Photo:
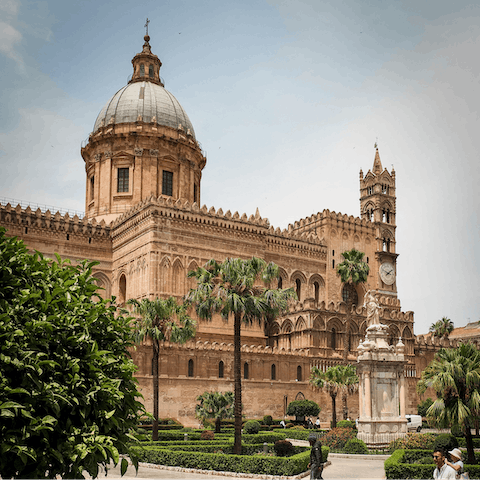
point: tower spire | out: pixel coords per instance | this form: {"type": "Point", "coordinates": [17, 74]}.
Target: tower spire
{"type": "Point", "coordinates": [377, 163]}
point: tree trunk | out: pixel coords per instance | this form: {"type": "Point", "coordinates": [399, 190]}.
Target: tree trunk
{"type": "Point", "coordinates": [344, 405]}
{"type": "Point", "coordinates": [469, 441]}
{"type": "Point", "coordinates": [155, 390]}
{"type": "Point", "coordinates": [334, 409]}
{"type": "Point", "coordinates": [218, 425]}
{"type": "Point", "coordinates": [237, 375]}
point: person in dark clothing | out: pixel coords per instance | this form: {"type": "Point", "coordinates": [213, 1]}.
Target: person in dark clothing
{"type": "Point", "coordinates": [316, 458]}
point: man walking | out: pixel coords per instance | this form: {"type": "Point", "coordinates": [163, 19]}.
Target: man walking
{"type": "Point", "coordinates": [316, 458]}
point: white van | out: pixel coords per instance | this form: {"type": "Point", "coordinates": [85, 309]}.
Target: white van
{"type": "Point", "coordinates": [414, 422]}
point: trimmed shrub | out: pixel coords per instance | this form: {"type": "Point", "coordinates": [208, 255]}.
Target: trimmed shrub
{"type": "Point", "coordinates": [413, 441]}
{"type": "Point", "coordinates": [283, 448]}
{"type": "Point", "coordinates": [251, 427]}
{"type": "Point", "coordinates": [337, 438]}
{"type": "Point", "coordinates": [303, 408]}
{"type": "Point", "coordinates": [355, 445]}
{"type": "Point", "coordinates": [298, 427]}
{"type": "Point", "coordinates": [268, 420]}
{"type": "Point", "coordinates": [445, 442]}
{"type": "Point", "coordinates": [207, 435]}
{"type": "Point", "coordinates": [346, 424]}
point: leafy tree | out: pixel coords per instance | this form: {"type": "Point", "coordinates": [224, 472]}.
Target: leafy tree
{"type": "Point", "coordinates": [215, 405]}
{"type": "Point", "coordinates": [303, 408]}
{"type": "Point", "coordinates": [454, 375]}
{"type": "Point", "coordinates": [352, 271]}
{"type": "Point", "coordinates": [68, 398]}
{"type": "Point", "coordinates": [338, 379]}
{"type": "Point", "coordinates": [232, 288]}
{"type": "Point", "coordinates": [422, 407]}
{"type": "Point", "coordinates": [160, 320]}
{"type": "Point", "coordinates": [442, 328]}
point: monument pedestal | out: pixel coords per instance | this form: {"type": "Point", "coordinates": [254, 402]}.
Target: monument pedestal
{"type": "Point", "coordinates": [382, 388]}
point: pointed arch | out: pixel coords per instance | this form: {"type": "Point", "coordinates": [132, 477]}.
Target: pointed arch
{"type": "Point", "coordinates": [300, 325]}
{"type": "Point", "coordinates": [282, 278]}
{"type": "Point", "coordinates": [317, 288]}
{"type": "Point", "coordinates": [191, 282]}
{"type": "Point", "coordinates": [298, 280]}
{"type": "Point", "coordinates": [178, 277]}
{"type": "Point", "coordinates": [393, 334]}
{"type": "Point", "coordinates": [122, 289]}
{"type": "Point", "coordinates": [165, 275]}
{"type": "Point", "coordinates": [407, 333]}
{"type": "Point", "coordinates": [287, 326]}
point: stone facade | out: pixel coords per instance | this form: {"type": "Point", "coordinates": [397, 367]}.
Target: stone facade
{"type": "Point", "coordinates": [144, 224]}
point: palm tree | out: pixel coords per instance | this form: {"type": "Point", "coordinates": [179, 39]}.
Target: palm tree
{"type": "Point", "coordinates": [160, 320]}
{"type": "Point", "coordinates": [338, 379]}
{"type": "Point", "coordinates": [454, 374]}
{"type": "Point", "coordinates": [232, 288]}
{"type": "Point", "coordinates": [352, 271]}
{"type": "Point", "coordinates": [442, 328]}
{"type": "Point", "coordinates": [215, 405]}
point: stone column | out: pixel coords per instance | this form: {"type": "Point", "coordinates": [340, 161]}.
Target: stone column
{"type": "Point", "coordinates": [368, 396]}
{"type": "Point", "coordinates": [402, 395]}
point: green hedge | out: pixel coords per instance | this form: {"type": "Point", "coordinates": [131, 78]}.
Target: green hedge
{"type": "Point", "coordinates": [396, 466]}
{"type": "Point", "coordinates": [298, 434]}
{"type": "Point", "coordinates": [256, 464]}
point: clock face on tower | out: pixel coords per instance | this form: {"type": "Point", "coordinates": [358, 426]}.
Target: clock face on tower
{"type": "Point", "coordinates": [387, 273]}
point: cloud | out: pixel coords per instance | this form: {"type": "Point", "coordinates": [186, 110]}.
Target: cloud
{"type": "Point", "coordinates": [10, 7]}
{"type": "Point", "coordinates": [10, 37]}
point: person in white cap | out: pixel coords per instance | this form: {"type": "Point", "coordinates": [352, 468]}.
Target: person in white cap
{"type": "Point", "coordinates": [455, 460]}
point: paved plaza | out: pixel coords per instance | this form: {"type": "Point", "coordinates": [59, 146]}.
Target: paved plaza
{"type": "Point", "coordinates": [342, 466]}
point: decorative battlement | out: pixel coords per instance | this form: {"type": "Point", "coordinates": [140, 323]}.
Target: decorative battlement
{"type": "Point", "coordinates": [183, 210]}
{"type": "Point", "coordinates": [228, 347]}
{"type": "Point", "coordinates": [326, 216]}
{"type": "Point", "coordinates": [38, 220]}
{"type": "Point", "coordinates": [426, 341]}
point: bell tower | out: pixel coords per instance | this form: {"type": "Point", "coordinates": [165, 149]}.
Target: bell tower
{"type": "Point", "coordinates": [378, 204]}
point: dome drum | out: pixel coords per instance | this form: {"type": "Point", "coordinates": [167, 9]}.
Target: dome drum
{"type": "Point", "coordinates": [142, 144]}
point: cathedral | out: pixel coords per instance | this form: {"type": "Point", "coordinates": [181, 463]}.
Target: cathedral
{"type": "Point", "coordinates": [145, 225]}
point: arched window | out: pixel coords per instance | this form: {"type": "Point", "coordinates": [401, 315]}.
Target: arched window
{"type": "Point", "coordinates": [273, 372]}
{"type": "Point", "coordinates": [298, 289]}
{"type": "Point", "coordinates": [333, 339]}
{"type": "Point", "coordinates": [299, 373]}
{"type": "Point", "coordinates": [245, 371]}
{"type": "Point", "coordinates": [220, 369]}
{"type": "Point", "coordinates": [349, 294]}
{"type": "Point", "coordinates": [122, 289]}
{"type": "Point", "coordinates": [142, 70]}
{"type": "Point", "coordinates": [190, 368]}
{"type": "Point", "coordinates": [150, 71]}
{"type": "Point", "coordinates": [316, 287]}
{"type": "Point", "coordinates": [280, 282]}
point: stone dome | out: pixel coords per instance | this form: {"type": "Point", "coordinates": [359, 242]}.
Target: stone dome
{"type": "Point", "coordinates": [144, 101]}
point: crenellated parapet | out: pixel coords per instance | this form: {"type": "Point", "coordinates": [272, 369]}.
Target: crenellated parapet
{"type": "Point", "coordinates": [184, 211]}
{"type": "Point", "coordinates": [20, 220]}
{"type": "Point", "coordinates": [432, 342]}
{"type": "Point", "coordinates": [228, 347]}
{"type": "Point", "coordinates": [334, 220]}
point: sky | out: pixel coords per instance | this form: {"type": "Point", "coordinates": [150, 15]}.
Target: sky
{"type": "Point", "coordinates": [287, 99]}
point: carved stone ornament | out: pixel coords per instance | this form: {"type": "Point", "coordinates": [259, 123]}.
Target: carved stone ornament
{"type": "Point", "coordinates": [138, 152]}
{"type": "Point", "coordinates": [97, 157]}
{"type": "Point", "coordinates": [153, 152]}
{"type": "Point", "coordinates": [108, 154]}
